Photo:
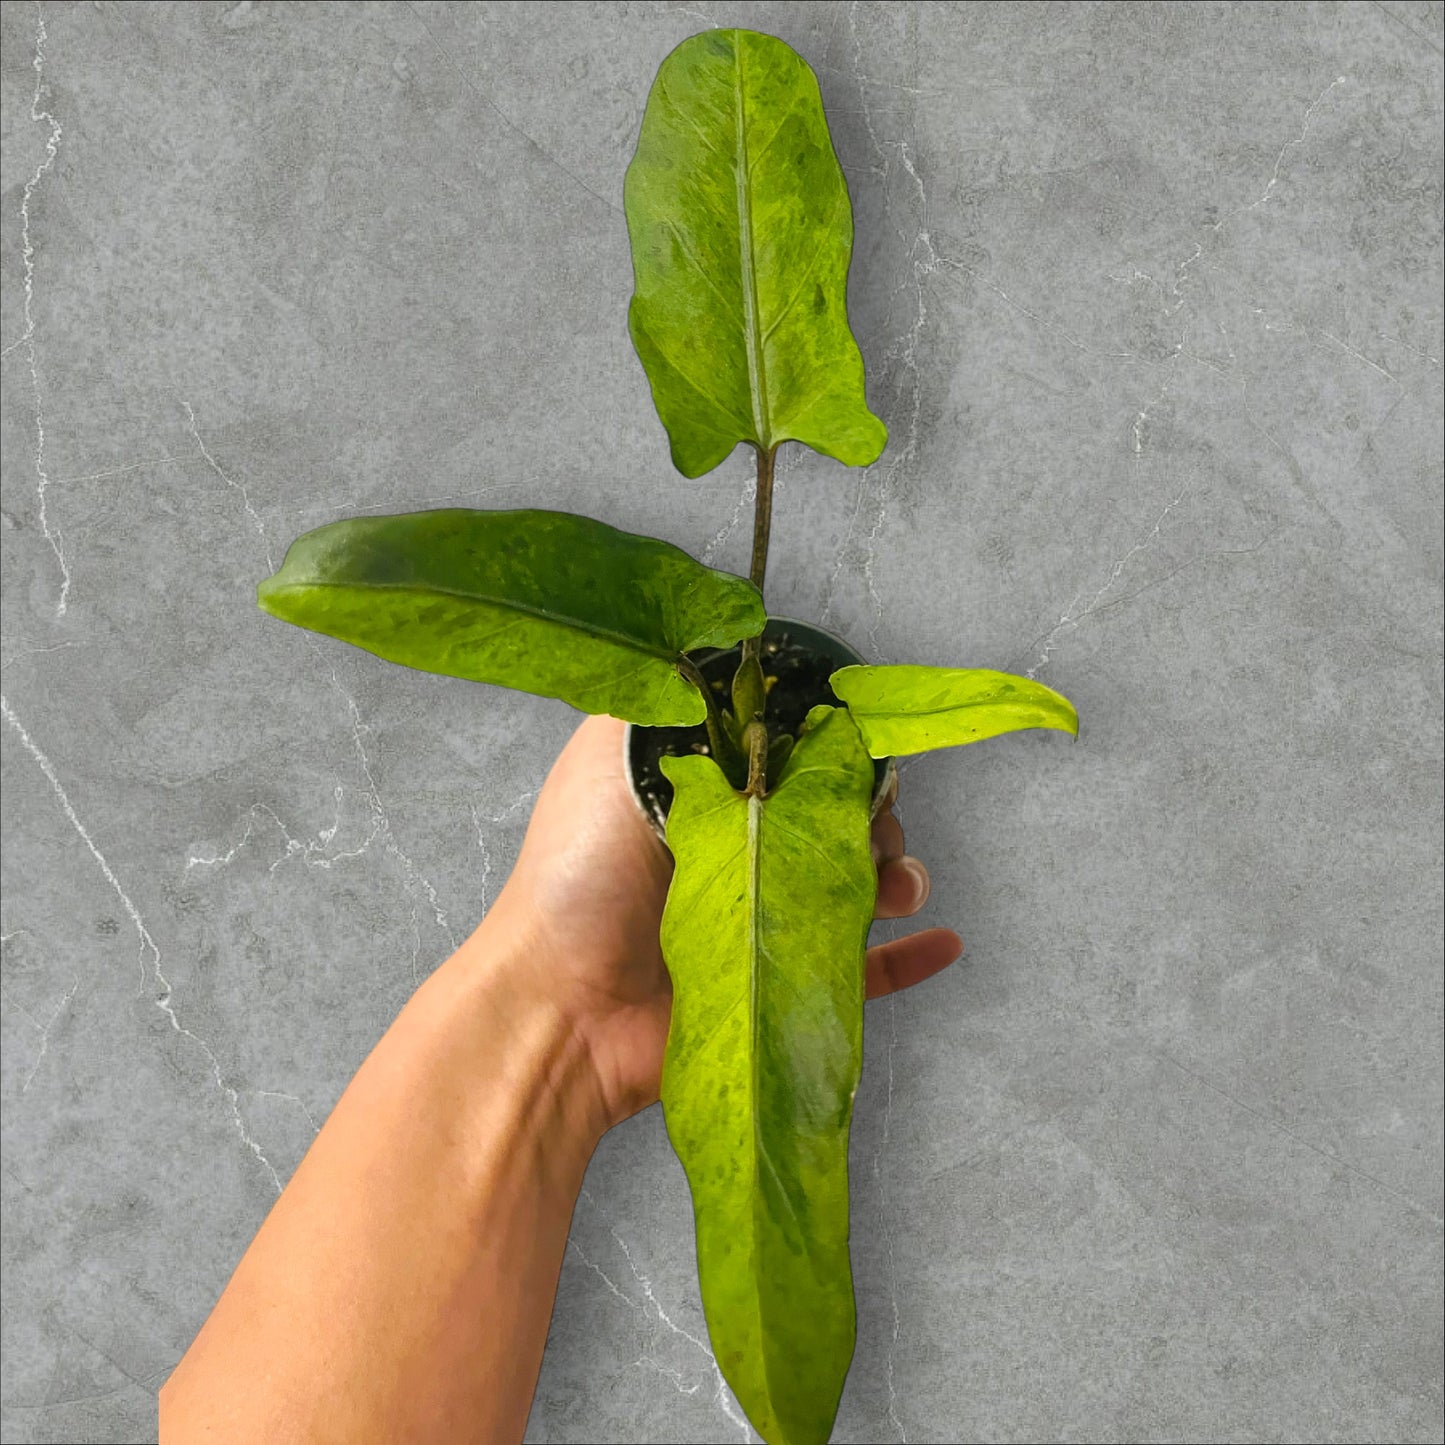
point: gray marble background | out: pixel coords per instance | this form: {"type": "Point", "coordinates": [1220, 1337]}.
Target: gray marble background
{"type": "Point", "coordinates": [1150, 297]}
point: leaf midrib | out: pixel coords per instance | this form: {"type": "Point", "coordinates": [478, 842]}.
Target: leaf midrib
{"type": "Point", "coordinates": [668, 655]}
{"type": "Point", "coordinates": [742, 175]}
{"type": "Point", "coordinates": [755, 952]}
{"type": "Point", "coordinates": [761, 1153]}
{"type": "Point", "coordinates": [886, 714]}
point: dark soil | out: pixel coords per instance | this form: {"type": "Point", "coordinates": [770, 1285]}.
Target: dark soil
{"type": "Point", "coordinates": [801, 683]}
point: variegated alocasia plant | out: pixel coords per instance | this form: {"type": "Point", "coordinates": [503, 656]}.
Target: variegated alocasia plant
{"type": "Point", "coordinates": [741, 236]}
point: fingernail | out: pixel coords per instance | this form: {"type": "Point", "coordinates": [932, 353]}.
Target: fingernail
{"type": "Point", "coordinates": [919, 874]}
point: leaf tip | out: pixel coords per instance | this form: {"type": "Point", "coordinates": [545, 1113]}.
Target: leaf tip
{"type": "Point", "coordinates": [266, 598]}
{"type": "Point", "coordinates": [816, 716]}
{"type": "Point", "coordinates": [1068, 722]}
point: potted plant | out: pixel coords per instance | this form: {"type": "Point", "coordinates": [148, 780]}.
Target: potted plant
{"type": "Point", "coordinates": [760, 755]}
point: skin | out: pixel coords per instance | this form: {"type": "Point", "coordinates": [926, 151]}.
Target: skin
{"type": "Point", "coordinates": [402, 1286]}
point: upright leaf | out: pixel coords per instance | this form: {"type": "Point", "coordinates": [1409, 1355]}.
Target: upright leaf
{"type": "Point", "coordinates": [741, 236]}
{"type": "Point", "coordinates": [542, 601]}
{"type": "Point", "coordinates": [901, 710]}
{"type": "Point", "coordinates": [764, 935]}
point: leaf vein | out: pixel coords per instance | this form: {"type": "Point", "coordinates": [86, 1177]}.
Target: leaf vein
{"type": "Point", "coordinates": [807, 274]}
{"type": "Point", "coordinates": [698, 890]}
{"type": "Point", "coordinates": [742, 425]}
{"type": "Point", "coordinates": [813, 847]}
{"type": "Point", "coordinates": [697, 265]}
{"type": "Point", "coordinates": [560, 619]}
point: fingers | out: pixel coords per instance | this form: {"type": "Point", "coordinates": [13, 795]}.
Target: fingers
{"type": "Point", "coordinates": [905, 961]}
{"type": "Point", "coordinates": [902, 888]}
{"type": "Point", "coordinates": [887, 838]}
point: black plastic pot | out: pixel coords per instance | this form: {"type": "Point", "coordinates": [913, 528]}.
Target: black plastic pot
{"type": "Point", "coordinates": [801, 657]}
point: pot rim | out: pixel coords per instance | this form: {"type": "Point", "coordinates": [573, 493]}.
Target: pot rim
{"type": "Point", "coordinates": [884, 792]}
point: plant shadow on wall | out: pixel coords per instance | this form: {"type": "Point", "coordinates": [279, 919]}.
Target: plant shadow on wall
{"type": "Point", "coordinates": [761, 747]}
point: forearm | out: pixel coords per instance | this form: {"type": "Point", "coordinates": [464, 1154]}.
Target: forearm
{"type": "Point", "coordinates": [402, 1286]}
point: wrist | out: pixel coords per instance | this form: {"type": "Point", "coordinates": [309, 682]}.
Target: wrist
{"type": "Point", "coordinates": [538, 1064]}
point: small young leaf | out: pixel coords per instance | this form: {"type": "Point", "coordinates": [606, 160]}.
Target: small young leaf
{"type": "Point", "coordinates": [764, 935]}
{"type": "Point", "coordinates": [542, 601]}
{"type": "Point", "coordinates": [901, 710]}
{"type": "Point", "coordinates": [741, 236]}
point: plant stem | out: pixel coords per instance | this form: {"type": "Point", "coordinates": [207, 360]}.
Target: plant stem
{"type": "Point", "coordinates": [762, 526]}
{"type": "Point", "coordinates": [757, 740]}
{"type": "Point", "coordinates": [762, 516]}
{"type": "Point", "coordinates": [716, 732]}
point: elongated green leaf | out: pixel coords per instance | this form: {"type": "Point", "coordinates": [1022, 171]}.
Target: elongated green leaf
{"type": "Point", "coordinates": [901, 710]}
{"type": "Point", "coordinates": [764, 935]}
{"type": "Point", "coordinates": [542, 601]}
{"type": "Point", "coordinates": [741, 236]}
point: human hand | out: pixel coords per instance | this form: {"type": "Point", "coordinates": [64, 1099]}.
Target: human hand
{"type": "Point", "coordinates": [588, 892]}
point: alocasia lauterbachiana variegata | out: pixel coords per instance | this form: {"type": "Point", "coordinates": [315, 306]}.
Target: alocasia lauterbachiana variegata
{"type": "Point", "coordinates": [741, 238]}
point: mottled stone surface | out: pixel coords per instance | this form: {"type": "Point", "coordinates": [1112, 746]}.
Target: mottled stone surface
{"type": "Point", "coordinates": [1150, 299]}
